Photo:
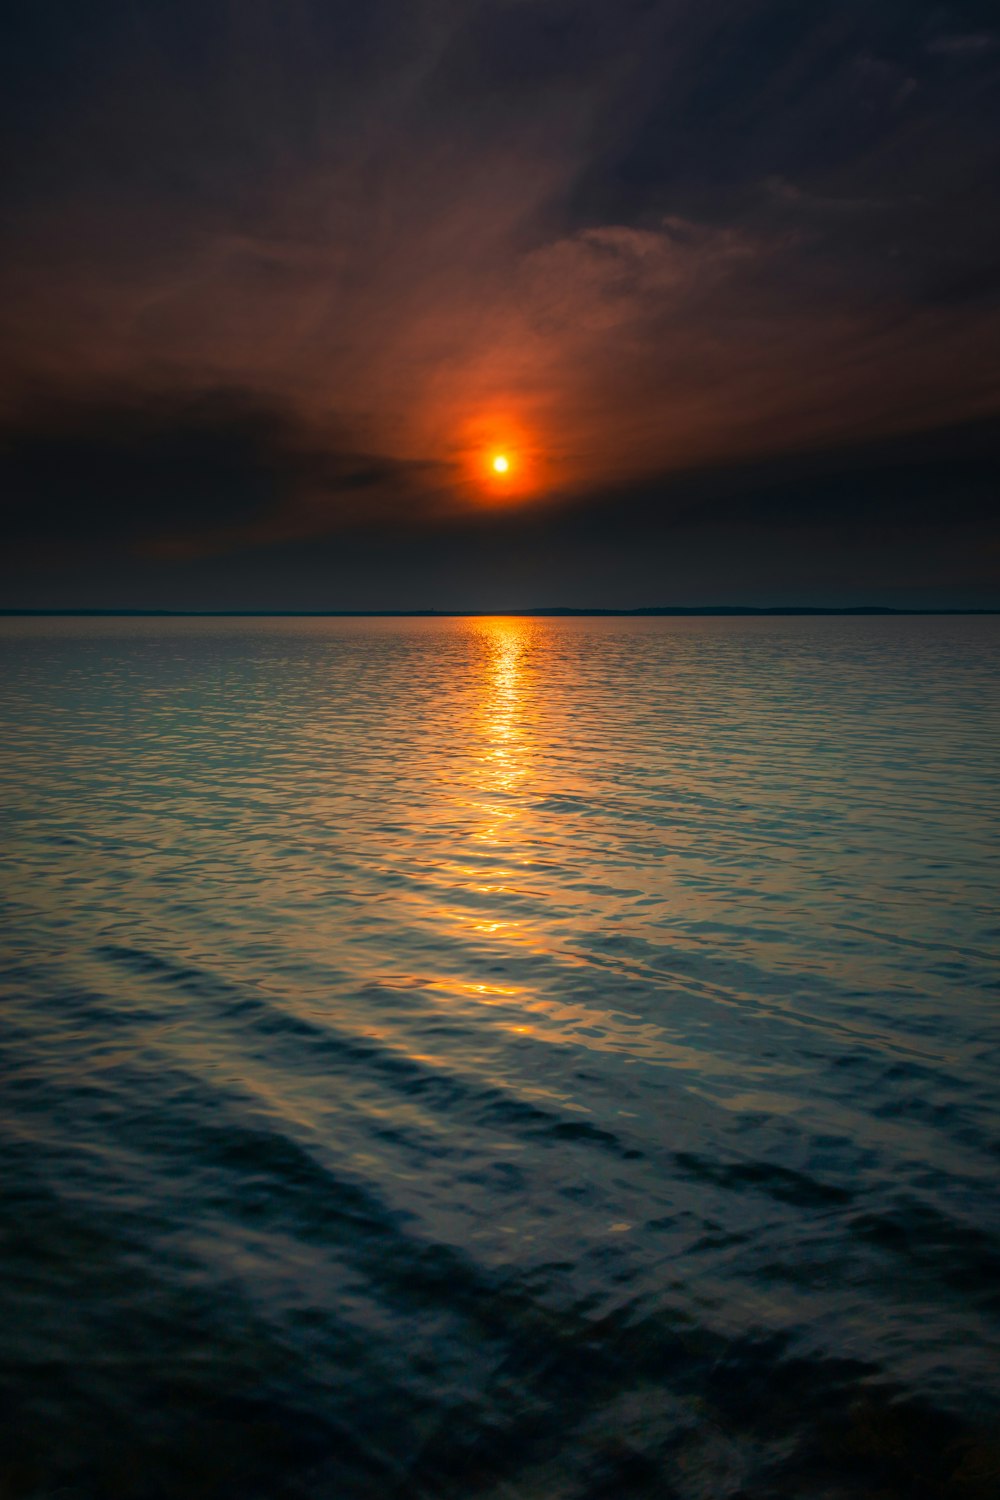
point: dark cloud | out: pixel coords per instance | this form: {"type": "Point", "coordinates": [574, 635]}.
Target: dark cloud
{"type": "Point", "coordinates": [124, 469]}
{"type": "Point", "coordinates": [906, 520]}
{"type": "Point", "coordinates": [945, 479]}
{"type": "Point", "coordinates": [186, 474]}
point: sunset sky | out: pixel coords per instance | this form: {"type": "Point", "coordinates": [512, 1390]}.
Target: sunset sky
{"type": "Point", "coordinates": [720, 279]}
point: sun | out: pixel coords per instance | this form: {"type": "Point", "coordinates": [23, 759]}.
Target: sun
{"type": "Point", "coordinates": [499, 459]}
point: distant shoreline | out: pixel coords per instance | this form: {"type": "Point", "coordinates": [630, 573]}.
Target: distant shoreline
{"type": "Point", "coordinates": [480, 614]}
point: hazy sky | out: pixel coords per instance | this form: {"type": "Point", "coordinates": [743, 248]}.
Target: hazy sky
{"type": "Point", "coordinates": [720, 277]}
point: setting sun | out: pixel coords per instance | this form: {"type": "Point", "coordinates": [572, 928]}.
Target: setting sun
{"type": "Point", "coordinates": [500, 457]}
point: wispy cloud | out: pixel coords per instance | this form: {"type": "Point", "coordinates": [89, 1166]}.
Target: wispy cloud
{"type": "Point", "coordinates": [962, 44]}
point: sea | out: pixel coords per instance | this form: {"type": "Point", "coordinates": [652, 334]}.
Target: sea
{"type": "Point", "coordinates": [500, 1058]}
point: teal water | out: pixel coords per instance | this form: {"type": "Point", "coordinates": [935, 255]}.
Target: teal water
{"type": "Point", "coordinates": [500, 1058]}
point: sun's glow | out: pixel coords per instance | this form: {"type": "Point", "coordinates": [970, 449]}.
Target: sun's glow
{"type": "Point", "coordinates": [499, 458]}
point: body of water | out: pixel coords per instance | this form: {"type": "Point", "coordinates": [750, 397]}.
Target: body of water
{"type": "Point", "coordinates": [500, 1059]}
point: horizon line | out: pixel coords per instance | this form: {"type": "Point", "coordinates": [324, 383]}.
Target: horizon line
{"type": "Point", "coordinates": [537, 611]}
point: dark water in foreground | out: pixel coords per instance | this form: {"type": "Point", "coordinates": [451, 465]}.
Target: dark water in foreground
{"type": "Point", "coordinates": [534, 1060]}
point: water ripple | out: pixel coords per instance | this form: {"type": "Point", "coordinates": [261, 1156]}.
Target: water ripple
{"type": "Point", "coordinates": [500, 1058]}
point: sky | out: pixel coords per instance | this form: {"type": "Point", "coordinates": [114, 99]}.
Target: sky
{"type": "Point", "coordinates": [720, 279]}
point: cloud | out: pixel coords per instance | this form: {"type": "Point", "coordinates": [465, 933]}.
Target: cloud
{"type": "Point", "coordinates": [279, 273]}
{"type": "Point", "coordinates": [187, 473]}
{"type": "Point", "coordinates": [963, 45]}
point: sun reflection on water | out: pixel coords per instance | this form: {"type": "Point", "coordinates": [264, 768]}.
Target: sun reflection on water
{"type": "Point", "coordinates": [511, 921]}
{"type": "Point", "coordinates": [502, 764]}
{"type": "Point", "coordinates": [503, 720]}
{"type": "Point", "coordinates": [496, 793]}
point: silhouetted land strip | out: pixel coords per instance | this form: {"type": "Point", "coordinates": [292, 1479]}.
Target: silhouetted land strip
{"type": "Point", "coordinates": [540, 611]}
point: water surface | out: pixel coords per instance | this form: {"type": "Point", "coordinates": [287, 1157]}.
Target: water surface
{"type": "Point", "coordinates": [509, 1058]}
